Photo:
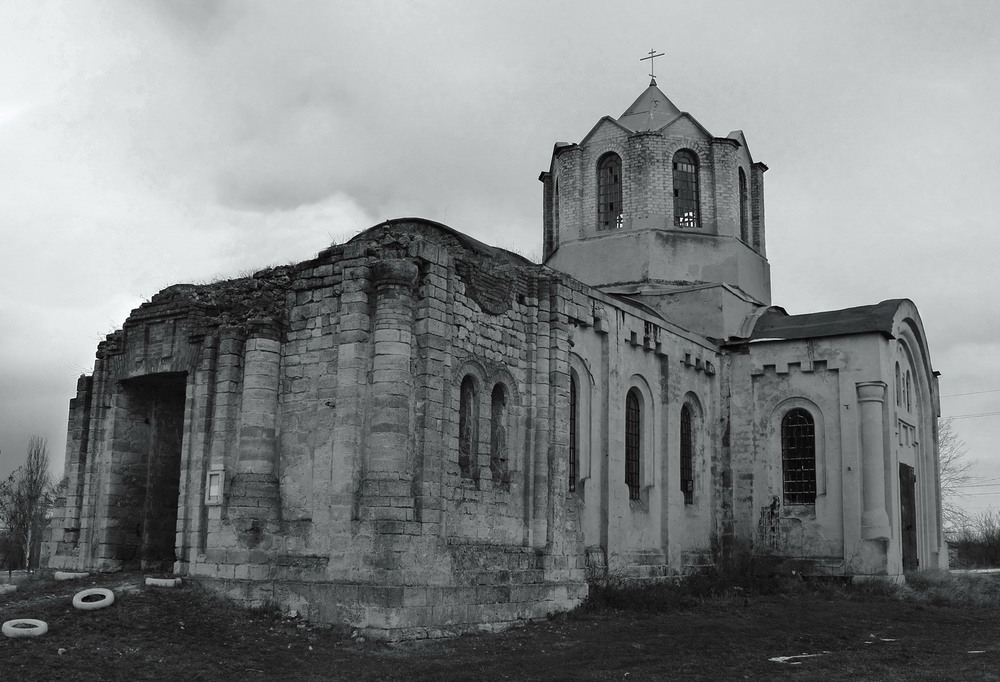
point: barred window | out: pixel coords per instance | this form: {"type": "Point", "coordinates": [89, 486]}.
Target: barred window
{"type": "Point", "coordinates": [573, 443]}
{"type": "Point", "coordinates": [899, 387]}
{"type": "Point", "coordinates": [468, 426]}
{"type": "Point", "coordinates": [744, 209]}
{"type": "Point", "coordinates": [609, 192]}
{"type": "Point", "coordinates": [798, 457]}
{"type": "Point", "coordinates": [633, 443]}
{"type": "Point", "coordinates": [687, 475]}
{"type": "Point", "coordinates": [686, 189]}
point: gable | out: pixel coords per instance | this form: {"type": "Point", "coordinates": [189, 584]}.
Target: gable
{"type": "Point", "coordinates": [685, 125]}
{"type": "Point", "coordinates": [741, 138]}
{"type": "Point", "coordinates": [606, 128]}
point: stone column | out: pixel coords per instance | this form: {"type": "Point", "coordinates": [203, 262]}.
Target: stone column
{"type": "Point", "coordinates": [259, 414]}
{"type": "Point", "coordinates": [543, 439]}
{"type": "Point", "coordinates": [254, 497]}
{"type": "Point", "coordinates": [77, 448]}
{"type": "Point", "coordinates": [874, 519]}
{"type": "Point", "coordinates": [389, 460]}
{"type": "Point", "coordinates": [196, 451]}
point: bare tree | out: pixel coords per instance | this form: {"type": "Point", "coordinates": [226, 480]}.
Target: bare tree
{"type": "Point", "coordinates": [25, 498]}
{"type": "Point", "coordinates": [955, 465]}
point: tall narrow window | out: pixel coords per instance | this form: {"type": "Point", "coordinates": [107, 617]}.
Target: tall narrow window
{"type": "Point", "coordinates": [744, 209]}
{"type": "Point", "coordinates": [555, 207]}
{"type": "Point", "coordinates": [574, 453]}
{"type": "Point", "coordinates": [609, 192]}
{"type": "Point", "coordinates": [909, 404]}
{"type": "Point", "coordinates": [468, 427]}
{"type": "Point", "coordinates": [687, 472]}
{"type": "Point", "coordinates": [686, 189]}
{"type": "Point", "coordinates": [899, 388]}
{"type": "Point", "coordinates": [633, 443]}
{"type": "Point", "coordinates": [498, 436]}
{"type": "Point", "coordinates": [798, 457]}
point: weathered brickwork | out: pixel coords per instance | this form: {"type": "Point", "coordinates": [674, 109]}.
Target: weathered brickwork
{"type": "Point", "coordinates": [651, 248]}
{"type": "Point", "coordinates": [420, 435]}
{"type": "Point", "coordinates": [325, 396]}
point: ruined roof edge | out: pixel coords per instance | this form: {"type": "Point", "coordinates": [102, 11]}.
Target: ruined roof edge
{"type": "Point", "coordinates": [465, 240]}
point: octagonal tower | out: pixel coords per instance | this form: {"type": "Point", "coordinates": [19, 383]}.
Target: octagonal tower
{"type": "Point", "coordinates": [652, 205]}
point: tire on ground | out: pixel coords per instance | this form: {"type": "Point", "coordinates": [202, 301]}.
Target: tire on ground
{"type": "Point", "coordinates": [67, 575]}
{"type": "Point", "coordinates": [80, 600]}
{"type": "Point", "coordinates": [163, 582]}
{"type": "Point", "coordinates": [25, 627]}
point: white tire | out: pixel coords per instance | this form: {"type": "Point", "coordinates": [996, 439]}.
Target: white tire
{"type": "Point", "coordinates": [80, 600]}
{"type": "Point", "coordinates": [7, 589]}
{"type": "Point", "coordinates": [163, 582]}
{"type": "Point", "coordinates": [66, 575]}
{"type": "Point", "coordinates": [25, 627]}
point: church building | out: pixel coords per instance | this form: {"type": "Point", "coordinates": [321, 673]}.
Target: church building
{"type": "Point", "coordinates": [418, 434]}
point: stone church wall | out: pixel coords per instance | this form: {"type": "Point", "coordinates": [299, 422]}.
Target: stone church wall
{"type": "Point", "coordinates": [316, 462]}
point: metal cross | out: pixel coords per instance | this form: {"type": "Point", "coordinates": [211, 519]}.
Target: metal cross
{"type": "Point", "coordinates": [652, 55]}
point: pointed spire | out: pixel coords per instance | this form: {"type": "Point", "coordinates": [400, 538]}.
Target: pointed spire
{"type": "Point", "coordinates": [651, 111]}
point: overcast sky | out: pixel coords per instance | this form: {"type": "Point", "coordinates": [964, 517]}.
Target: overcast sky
{"type": "Point", "coordinates": [147, 143]}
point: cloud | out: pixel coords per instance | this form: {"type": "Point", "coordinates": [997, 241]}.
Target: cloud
{"type": "Point", "coordinates": [146, 143]}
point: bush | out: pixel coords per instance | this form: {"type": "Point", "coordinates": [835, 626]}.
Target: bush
{"type": "Point", "coordinates": [978, 543]}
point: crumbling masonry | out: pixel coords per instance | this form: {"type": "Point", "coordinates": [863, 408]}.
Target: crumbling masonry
{"type": "Point", "coordinates": [418, 434]}
{"type": "Point", "coordinates": [324, 395]}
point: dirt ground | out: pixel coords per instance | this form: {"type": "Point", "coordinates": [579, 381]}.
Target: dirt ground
{"type": "Point", "coordinates": [183, 634]}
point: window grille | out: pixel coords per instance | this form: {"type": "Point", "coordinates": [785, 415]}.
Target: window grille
{"type": "Point", "coordinates": [687, 475]}
{"type": "Point", "coordinates": [573, 445]}
{"type": "Point", "coordinates": [609, 192]}
{"type": "Point", "coordinates": [798, 457]}
{"type": "Point", "coordinates": [686, 189]}
{"type": "Point", "coordinates": [633, 436]}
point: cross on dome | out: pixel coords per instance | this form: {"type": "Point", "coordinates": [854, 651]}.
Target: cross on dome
{"type": "Point", "coordinates": [653, 54]}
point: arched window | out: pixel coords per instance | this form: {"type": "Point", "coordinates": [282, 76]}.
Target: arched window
{"type": "Point", "coordinates": [574, 453]}
{"type": "Point", "coordinates": [633, 442]}
{"type": "Point", "coordinates": [909, 405]}
{"type": "Point", "coordinates": [498, 436]}
{"type": "Point", "coordinates": [686, 189]}
{"type": "Point", "coordinates": [899, 387]}
{"type": "Point", "coordinates": [609, 192]}
{"type": "Point", "coordinates": [687, 449]}
{"type": "Point", "coordinates": [798, 457]}
{"type": "Point", "coordinates": [744, 209]}
{"type": "Point", "coordinates": [468, 427]}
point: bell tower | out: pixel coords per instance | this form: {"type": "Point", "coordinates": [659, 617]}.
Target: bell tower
{"type": "Point", "coordinates": [652, 206]}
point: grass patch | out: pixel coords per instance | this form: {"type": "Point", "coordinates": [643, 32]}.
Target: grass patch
{"type": "Point", "coordinates": [707, 627]}
{"type": "Point", "coordinates": [954, 589]}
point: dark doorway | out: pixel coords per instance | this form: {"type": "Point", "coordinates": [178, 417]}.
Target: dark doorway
{"type": "Point", "coordinates": [908, 516]}
{"type": "Point", "coordinates": [149, 436]}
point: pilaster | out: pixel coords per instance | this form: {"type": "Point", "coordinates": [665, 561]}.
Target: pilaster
{"type": "Point", "coordinates": [874, 519]}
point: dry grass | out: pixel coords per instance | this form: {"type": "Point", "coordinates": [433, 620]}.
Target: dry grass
{"type": "Point", "coordinates": [708, 627]}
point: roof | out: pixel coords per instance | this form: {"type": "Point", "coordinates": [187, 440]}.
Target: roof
{"type": "Point", "coordinates": [651, 111]}
{"type": "Point", "coordinates": [775, 323]}
{"type": "Point", "coordinates": [442, 234]}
